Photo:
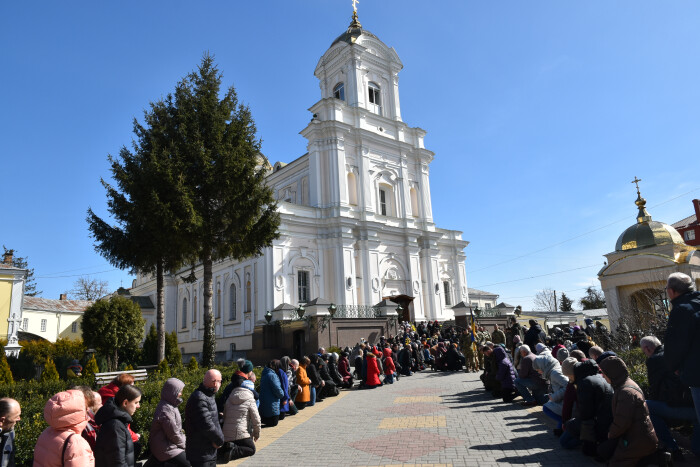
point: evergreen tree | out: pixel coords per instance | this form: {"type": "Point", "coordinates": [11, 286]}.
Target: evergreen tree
{"type": "Point", "coordinates": [164, 368]}
{"type": "Point", "coordinates": [20, 262]}
{"type": "Point", "coordinates": [172, 352]}
{"type": "Point", "coordinates": [149, 352]}
{"type": "Point", "coordinates": [5, 372]}
{"type": "Point", "coordinates": [593, 300]}
{"type": "Point", "coordinates": [91, 368]}
{"type": "Point", "coordinates": [50, 373]}
{"type": "Point", "coordinates": [193, 365]}
{"type": "Point", "coordinates": [150, 204]}
{"type": "Point", "coordinates": [235, 210]}
{"type": "Point", "coordinates": [565, 304]}
{"type": "Point", "coordinates": [113, 327]}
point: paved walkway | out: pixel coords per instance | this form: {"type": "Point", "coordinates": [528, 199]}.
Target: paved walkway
{"type": "Point", "coordinates": [425, 419]}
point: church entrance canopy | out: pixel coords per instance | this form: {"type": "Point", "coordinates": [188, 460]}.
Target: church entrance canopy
{"type": "Point", "coordinates": [403, 300]}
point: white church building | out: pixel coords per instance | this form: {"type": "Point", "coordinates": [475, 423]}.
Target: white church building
{"type": "Point", "coordinates": [356, 217]}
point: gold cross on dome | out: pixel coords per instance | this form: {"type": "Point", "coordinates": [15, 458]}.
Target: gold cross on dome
{"type": "Point", "coordinates": [354, 4]}
{"type": "Point", "coordinates": [636, 182]}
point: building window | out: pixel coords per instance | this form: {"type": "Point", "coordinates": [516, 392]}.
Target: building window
{"type": "Point", "coordinates": [487, 306]}
{"type": "Point", "coordinates": [339, 91]}
{"type": "Point", "coordinates": [74, 327]}
{"type": "Point", "coordinates": [448, 295]}
{"type": "Point", "coordinates": [375, 98]}
{"type": "Point", "coordinates": [248, 297]}
{"type": "Point", "coordinates": [232, 302]}
{"type": "Point", "coordinates": [194, 308]}
{"type": "Point", "coordinates": [689, 235]}
{"type": "Point", "coordinates": [25, 324]}
{"type": "Point", "coordinates": [217, 303]}
{"type": "Point", "coordinates": [414, 202]}
{"type": "Point", "coordinates": [184, 313]}
{"type": "Point", "coordinates": [382, 202]}
{"type": "Point", "coordinates": [303, 286]}
{"type": "Point", "coordinates": [43, 325]}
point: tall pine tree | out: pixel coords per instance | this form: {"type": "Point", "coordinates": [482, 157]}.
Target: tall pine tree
{"type": "Point", "coordinates": [236, 212]}
{"type": "Point", "coordinates": [151, 205]}
{"type": "Point", "coordinates": [565, 304]}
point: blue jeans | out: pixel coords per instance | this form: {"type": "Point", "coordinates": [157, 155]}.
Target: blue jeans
{"type": "Point", "coordinates": [659, 411]}
{"type": "Point", "coordinates": [529, 390]}
{"type": "Point", "coordinates": [312, 399]}
{"type": "Point", "coordinates": [553, 416]}
{"type": "Point", "coordinates": [389, 379]}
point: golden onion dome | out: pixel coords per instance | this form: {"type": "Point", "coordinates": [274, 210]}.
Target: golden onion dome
{"type": "Point", "coordinates": [646, 232]}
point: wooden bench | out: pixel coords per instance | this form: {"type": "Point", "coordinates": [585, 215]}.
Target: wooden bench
{"type": "Point", "coordinates": [105, 378]}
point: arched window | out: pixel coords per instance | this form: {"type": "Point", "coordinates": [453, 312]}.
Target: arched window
{"type": "Point", "coordinates": [195, 308]}
{"type": "Point", "coordinates": [448, 293]}
{"type": "Point", "coordinates": [248, 297]}
{"type": "Point", "coordinates": [217, 303]}
{"type": "Point", "coordinates": [414, 202]}
{"type": "Point", "coordinates": [339, 91]}
{"type": "Point", "coordinates": [352, 189]}
{"type": "Point", "coordinates": [184, 312]}
{"type": "Point", "coordinates": [375, 99]}
{"type": "Point", "coordinates": [232, 302]}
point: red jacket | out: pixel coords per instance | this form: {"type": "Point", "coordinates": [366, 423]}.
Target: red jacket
{"type": "Point", "coordinates": [372, 371]}
{"type": "Point", "coordinates": [389, 367]}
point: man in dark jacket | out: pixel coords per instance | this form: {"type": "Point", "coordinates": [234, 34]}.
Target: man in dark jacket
{"type": "Point", "coordinates": [530, 383]}
{"type": "Point", "coordinates": [683, 333]}
{"type": "Point", "coordinates": [669, 398]}
{"type": "Point", "coordinates": [204, 435]}
{"type": "Point", "coordinates": [10, 412]}
{"type": "Point", "coordinates": [534, 335]}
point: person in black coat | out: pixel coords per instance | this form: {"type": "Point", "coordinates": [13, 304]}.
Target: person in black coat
{"type": "Point", "coordinates": [333, 371]}
{"type": "Point", "coordinates": [316, 381]}
{"type": "Point", "coordinates": [329, 388]}
{"type": "Point", "coordinates": [593, 409]}
{"type": "Point", "coordinates": [534, 335]}
{"type": "Point", "coordinates": [204, 435]}
{"type": "Point", "coordinates": [114, 446]}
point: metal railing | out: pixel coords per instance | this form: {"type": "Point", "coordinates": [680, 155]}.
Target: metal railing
{"type": "Point", "coordinates": [357, 311]}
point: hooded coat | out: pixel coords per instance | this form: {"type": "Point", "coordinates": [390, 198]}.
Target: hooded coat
{"type": "Point", "coordinates": [683, 338]}
{"type": "Point", "coordinates": [631, 423]}
{"type": "Point", "coordinates": [534, 335]}
{"type": "Point", "coordinates": [372, 371]}
{"type": "Point", "coordinates": [551, 371]}
{"type": "Point", "coordinates": [270, 393]}
{"type": "Point", "coordinates": [333, 370]}
{"type": "Point", "coordinates": [66, 415]}
{"type": "Point", "coordinates": [593, 397]}
{"type": "Point", "coordinates": [114, 446]}
{"type": "Point", "coordinates": [344, 368]}
{"type": "Point", "coordinates": [167, 439]}
{"type": "Point", "coordinates": [389, 367]}
{"type": "Point", "coordinates": [505, 373]}
{"type": "Point", "coordinates": [241, 418]}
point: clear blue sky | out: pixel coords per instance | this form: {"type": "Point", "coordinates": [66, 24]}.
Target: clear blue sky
{"type": "Point", "coordinates": [540, 115]}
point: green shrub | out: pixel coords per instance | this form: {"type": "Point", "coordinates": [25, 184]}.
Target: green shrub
{"type": "Point", "coordinates": [5, 372]}
{"type": "Point", "coordinates": [164, 368]}
{"type": "Point", "coordinates": [91, 368]}
{"type": "Point", "coordinates": [335, 349]}
{"type": "Point", "coordinates": [193, 365]}
{"type": "Point", "coordinates": [635, 360]}
{"type": "Point", "coordinates": [50, 373]}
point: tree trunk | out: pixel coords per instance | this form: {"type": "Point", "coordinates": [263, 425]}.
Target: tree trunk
{"type": "Point", "coordinates": [209, 336]}
{"type": "Point", "coordinates": [115, 360]}
{"type": "Point", "coordinates": [160, 312]}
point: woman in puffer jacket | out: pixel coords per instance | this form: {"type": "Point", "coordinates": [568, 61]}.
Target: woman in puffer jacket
{"type": "Point", "coordinates": [270, 394]}
{"type": "Point", "coordinates": [389, 367]}
{"type": "Point", "coordinates": [304, 395]}
{"type": "Point", "coordinates": [167, 440]}
{"type": "Point", "coordinates": [550, 369]}
{"type": "Point", "coordinates": [114, 446]}
{"type": "Point", "coordinates": [372, 380]}
{"type": "Point", "coordinates": [241, 423]}
{"type": "Point", "coordinates": [66, 415]}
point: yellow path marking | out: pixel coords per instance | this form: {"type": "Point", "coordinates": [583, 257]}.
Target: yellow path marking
{"type": "Point", "coordinates": [413, 422]}
{"type": "Point", "coordinates": [412, 399]}
{"type": "Point", "coordinates": [270, 435]}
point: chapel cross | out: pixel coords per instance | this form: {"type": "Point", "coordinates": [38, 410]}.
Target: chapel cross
{"type": "Point", "coordinates": [636, 182]}
{"type": "Point", "coordinates": [354, 5]}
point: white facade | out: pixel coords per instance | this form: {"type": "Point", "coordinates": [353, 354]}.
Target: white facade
{"type": "Point", "coordinates": [356, 214]}
{"type": "Point", "coordinates": [53, 319]}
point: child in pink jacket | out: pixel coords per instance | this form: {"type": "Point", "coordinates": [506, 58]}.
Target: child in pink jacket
{"type": "Point", "coordinates": [66, 415]}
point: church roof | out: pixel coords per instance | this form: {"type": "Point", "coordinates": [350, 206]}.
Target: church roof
{"type": "Point", "coordinates": [646, 232]}
{"type": "Point", "coordinates": [353, 32]}
{"type": "Point", "coordinates": [685, 222]}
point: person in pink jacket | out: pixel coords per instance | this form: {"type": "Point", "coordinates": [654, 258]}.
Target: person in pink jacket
{"type": "Point", "coordinates": [61, 443]}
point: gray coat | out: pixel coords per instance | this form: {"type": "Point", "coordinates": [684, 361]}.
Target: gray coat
{"type": "Point", "coordinates": [241, 418]}
{"type": "Point", "coordinates": [167, 439]}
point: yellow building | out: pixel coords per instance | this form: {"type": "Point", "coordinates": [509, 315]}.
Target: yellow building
{"type": "Point", "coordinates": [53, 319]}
{"type": "Point", "coordinates": [11, 295]}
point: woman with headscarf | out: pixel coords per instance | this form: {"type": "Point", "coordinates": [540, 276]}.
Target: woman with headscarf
{"type": "Point", "coordinates": [316, 382]}
{"type": "Point", "coordinates": [631, 425]}
{"type": "Point", "coordinates": [550, 369]}
{"type": "Point", "coordinates": [292, 387]}
{"type": "Point", "coordinates": [344, 370]}
{"type": "Point", "coordinates": [505, 374]}
{"type": "Point", "coordinates": [304, 395]}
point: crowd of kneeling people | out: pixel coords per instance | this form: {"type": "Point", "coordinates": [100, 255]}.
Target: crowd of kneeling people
{"type": "Point", "coordinates": [589, 393]}
{"type": "Point", "coordinates": [88, 428]}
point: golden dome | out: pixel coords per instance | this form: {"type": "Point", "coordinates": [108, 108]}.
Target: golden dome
{"type": "Point", "coordinates": [646, 232]}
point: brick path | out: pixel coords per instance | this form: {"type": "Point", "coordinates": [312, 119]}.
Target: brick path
{"type": "Point", "coordinates": [426, 419]}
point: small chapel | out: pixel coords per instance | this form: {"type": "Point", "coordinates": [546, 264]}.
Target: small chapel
{"type": "Point", "coordinates": [358, 249]}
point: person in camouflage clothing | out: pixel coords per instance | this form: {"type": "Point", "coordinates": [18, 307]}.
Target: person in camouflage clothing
{"type": "Point", "coordinates": [498, 336]}
{"type": "Point", "coordinates": [482, 336]}
{"type": "Point", "coordinates": [472, 362]}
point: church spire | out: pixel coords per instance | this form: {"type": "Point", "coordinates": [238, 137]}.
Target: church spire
{"type": "Point", "coordinates": [642, 215]}
{"type": "Point", "coordinates": [355, 22]}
